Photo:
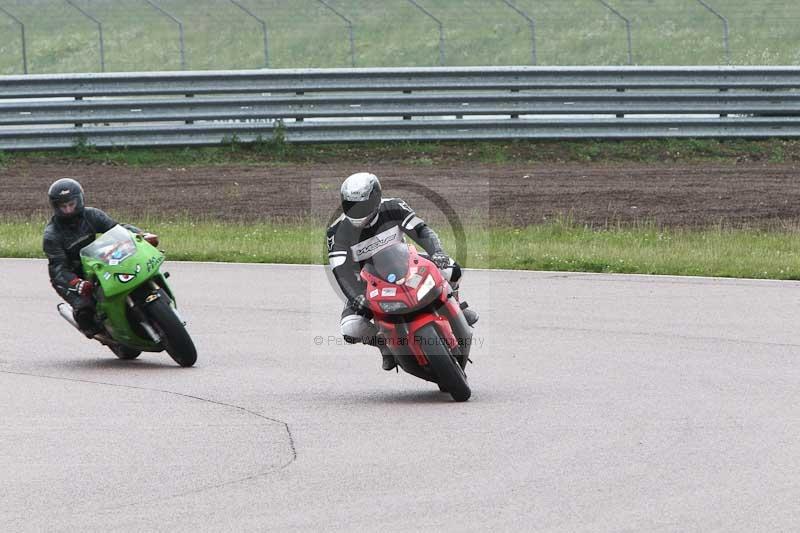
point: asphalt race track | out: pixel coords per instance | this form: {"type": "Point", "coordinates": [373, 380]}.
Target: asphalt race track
{"type": "Point", "coordinates": [600, 402]}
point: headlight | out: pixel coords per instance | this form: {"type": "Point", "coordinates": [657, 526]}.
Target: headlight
{"type": "Point", "coordinates": [413, 281]}
{"type": "Point", "coordinates": [125, 278]}
{"type": "Point", "coordinates": [425, 288]}
{"type": "Point", "coordinates": [393, 307]}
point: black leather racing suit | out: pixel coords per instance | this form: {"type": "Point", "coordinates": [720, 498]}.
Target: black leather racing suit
{"type": "Point", "coordinates": [62, 244]}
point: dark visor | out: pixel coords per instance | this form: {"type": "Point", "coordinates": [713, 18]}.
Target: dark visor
{"type": "Point", "coordinates": [65, 201]}
{"type": "Point", "coordinates": [361, 209]}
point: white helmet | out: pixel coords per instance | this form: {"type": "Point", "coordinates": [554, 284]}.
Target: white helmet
{"type": "Point", "coordinates": [361, 198]}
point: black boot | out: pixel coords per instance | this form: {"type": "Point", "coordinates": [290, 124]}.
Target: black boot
{"type": "Point", "coordinates": [471, 315]}
{"type": "Point", "coordinates": [84, 317]}
{"type": "Point", "coordinates": [388, 359]}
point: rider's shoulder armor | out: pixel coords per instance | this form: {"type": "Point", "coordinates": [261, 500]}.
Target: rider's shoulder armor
{"type": "Point", "coordinates": [393, 212]}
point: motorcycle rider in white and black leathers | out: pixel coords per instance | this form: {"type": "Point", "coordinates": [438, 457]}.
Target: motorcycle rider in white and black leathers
{"type": "Point", "coordinates": [365, 215]}
{"type": "Point", "coordinates": [72, 227]}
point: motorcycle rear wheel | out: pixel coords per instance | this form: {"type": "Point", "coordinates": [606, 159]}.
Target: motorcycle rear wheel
{"type": "Point", "coordinates": [443, 365]}
{"type": "Point", "coordinates": [178, 343]}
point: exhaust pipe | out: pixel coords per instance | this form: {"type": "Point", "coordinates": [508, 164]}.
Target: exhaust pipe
{"type": "Point", "coordinates": [65, 310]}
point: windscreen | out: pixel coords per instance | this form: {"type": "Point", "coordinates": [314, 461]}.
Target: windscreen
{"type": "Point", "coordinates": [391, 263]}
{"type": "Point", "coordinates": [113, 247]}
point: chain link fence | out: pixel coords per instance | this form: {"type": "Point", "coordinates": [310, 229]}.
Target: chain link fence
{"type": "Point", "coordinates": [51, 36]}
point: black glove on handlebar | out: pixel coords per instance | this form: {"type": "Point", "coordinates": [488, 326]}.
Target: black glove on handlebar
{"type": "Point", "coordinates": [441, 260]}
{"type": "Point", "coordinates": [359, 303]}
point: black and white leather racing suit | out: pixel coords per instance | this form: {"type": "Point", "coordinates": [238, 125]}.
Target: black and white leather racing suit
{"type": "Point", "coordinates": [393, 220]}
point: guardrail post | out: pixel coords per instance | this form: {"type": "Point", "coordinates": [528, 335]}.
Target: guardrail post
{"type": "Point", "coordinates": [189, 121]}
{"type": "Point", "coordinates": [439, 24]}
{"type": "Point", "coordinates": [180, 31]}
{"type": "Point", "coordinates": [627, 28]}
{"type": "Point", "coordinates": [531, 24]}
{"type": "Point", "coordinates": [99, 31]}
{"type": "Point", "coordinates": [22, 30]}
{"type": "Point", "coordinates": [263, 30]}
{"type": "Point", "coordinates": [512, 92]}
{"type": "Point", "coordinates": [725, 35]}
{"type": "Point", "coordinates": [299, 93]}
{"type": "Point", "coordinates": [78, 124]}
{"type": "Point", "coordinates": [723, 90]}
{"type": "Point", "coordinates": [406, 117]}
{"type": "Point", "coordinates": [349, 29]}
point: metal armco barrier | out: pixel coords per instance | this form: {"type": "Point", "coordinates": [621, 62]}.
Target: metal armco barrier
{"type": "Point", "coordinates": [349, 105]}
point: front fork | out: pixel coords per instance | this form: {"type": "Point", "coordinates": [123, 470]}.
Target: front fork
{"type": "Point", "coordinates": [143, 321]}
{"type": "Point", "coordinates": [155, 289]}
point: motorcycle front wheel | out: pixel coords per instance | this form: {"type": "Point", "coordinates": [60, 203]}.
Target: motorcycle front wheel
{"type": "Point", "coordinates": [450, 376]}
{"type": "Point", "coordinates": [176, 339]}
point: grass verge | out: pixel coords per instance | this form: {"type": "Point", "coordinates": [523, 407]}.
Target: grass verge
{"type": "Point", "coordinates": [220, 35]}
{"type": "Point", "coordinates": [558, 246]}
{"type": "Point", "coordinates": [234, 152]}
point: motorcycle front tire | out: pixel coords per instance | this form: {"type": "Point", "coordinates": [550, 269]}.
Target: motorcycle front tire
{"type": "Point", "coordinates": [450, 376]}
{"type": "Point", "coordinates": [176, 339]}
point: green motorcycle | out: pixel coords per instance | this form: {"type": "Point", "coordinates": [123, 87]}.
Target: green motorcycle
{"type": "Point", "coordinates": [134, 302]}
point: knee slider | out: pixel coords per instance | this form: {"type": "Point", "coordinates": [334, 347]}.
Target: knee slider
{"type": "Point", "coordinates": [355, 328]}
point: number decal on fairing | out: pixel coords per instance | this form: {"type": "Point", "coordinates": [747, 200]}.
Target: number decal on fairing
{"type": "Point", "coordinates": [153, 263]}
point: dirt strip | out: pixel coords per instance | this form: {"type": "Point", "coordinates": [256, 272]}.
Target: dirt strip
{"type": "Point", "coordinates": [674, 195]}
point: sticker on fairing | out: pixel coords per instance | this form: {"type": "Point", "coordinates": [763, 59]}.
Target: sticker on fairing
{"type": "Point", "coordinates": [373, 293]}
{"type": "Point", "coordinates": [369, 247]}
{"type": "Point", "coordinates": [107, 276]}
{"type": "Point", "coordinates": [389, 291]}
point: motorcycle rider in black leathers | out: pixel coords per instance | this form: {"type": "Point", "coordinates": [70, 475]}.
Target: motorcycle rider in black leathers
{"type": "Point", "coordinates": [365, 215]}
{"type": "Point", "coordinates": [72, 227]}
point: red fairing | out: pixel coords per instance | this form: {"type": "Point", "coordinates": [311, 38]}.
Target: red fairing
{"type": "Point", "coordinates": [442, 324]}
{"type": "Point", "coordinates": [379, 290]}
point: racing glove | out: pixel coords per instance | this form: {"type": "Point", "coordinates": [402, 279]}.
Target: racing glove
{"type": "Point", "coordinates": [359, 303]}
{"type": "Point", "coordinates": [441, 260]}
{"type": "Point", "coordinates": [82, 287]}
{"type": "Point", "coordinates": [152, 238]}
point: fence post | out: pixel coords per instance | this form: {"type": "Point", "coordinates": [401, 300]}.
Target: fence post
{"type": "Point", "coordinates": [263, 30]}
{"type": "Point", "coordinates": [725, 35]}
{"type": "Point", "coordinates": [349, 28]}
{"type": "Point", "coordinates": [531, 23]}
{"type": "Point", "coordinates": [627, 27]}
{"type": "Point", "coordinates": [180, 31]}
{"type": "Point", "coordinates": [22, 30]}
{"type": "Point", "coordinates": [99, 31]}
{"type": "Point", "coordinates": [441, 29]}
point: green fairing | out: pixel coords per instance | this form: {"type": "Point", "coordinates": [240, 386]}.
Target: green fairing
{"type": "Point", "coordinates": [138, 259]}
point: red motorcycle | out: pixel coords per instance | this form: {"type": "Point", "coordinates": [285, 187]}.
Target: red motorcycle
{"type": "Point", "coordinates": [418, 317]}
